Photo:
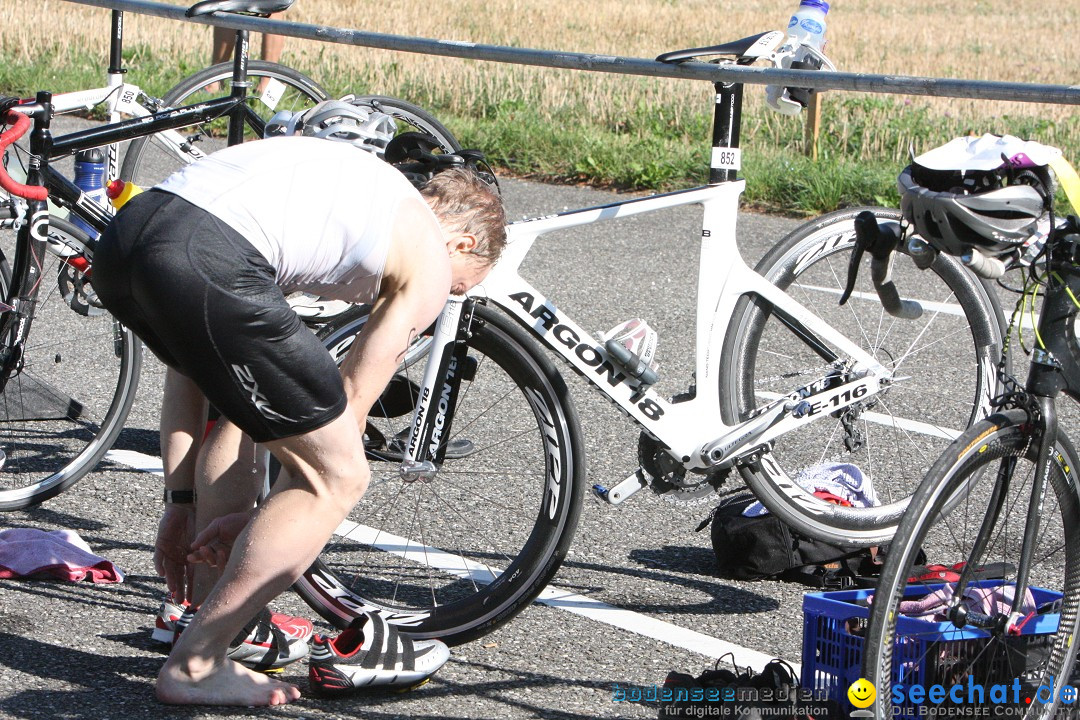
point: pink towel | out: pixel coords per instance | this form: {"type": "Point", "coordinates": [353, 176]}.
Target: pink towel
{"type": "Point", "coordinates": [992, 600]}
{"type": "Point", "coordinates": [29, 552]}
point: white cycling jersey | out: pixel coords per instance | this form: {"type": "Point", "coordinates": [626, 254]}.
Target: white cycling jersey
{"type": "Point", "coordinates": [319, 211]}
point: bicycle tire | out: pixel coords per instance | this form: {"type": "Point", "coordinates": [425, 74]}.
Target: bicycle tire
{"type": "Point", "coordinates": [56, 425]}
{"type": "Point", "coordinates": [149, 159]}
{"type": "Point", "coordinates": [999, 440]}
{"type": "Point", "coordinates": [483, 511]}
{"type": "Point", "coordinates": [955, 344]}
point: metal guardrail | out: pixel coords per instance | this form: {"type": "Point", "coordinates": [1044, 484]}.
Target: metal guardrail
{"type": "Point", "coordinates": [858, 82]}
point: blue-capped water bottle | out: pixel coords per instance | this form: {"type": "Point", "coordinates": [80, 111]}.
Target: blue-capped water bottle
{"type": "Point", "coordinates": [807, 25]}
{"type": "Point", "coordinates": [90, 177]}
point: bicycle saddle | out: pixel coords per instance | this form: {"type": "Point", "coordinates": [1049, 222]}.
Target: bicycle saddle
{"type": "Point", "coordinates": [744, 51]}
{"type": "Point", "coordinates": [246, 7]}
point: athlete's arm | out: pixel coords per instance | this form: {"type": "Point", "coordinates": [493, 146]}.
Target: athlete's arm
{"type": "Point", "coordinates": [415, 285]}
{"type": "Point", "coordinates": [182, 427]}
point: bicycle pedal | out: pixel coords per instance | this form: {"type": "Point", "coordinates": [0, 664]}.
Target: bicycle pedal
{"type": "Point", "coordinates": [619, 494]}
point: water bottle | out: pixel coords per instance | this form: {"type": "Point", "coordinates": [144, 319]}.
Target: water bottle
{"type": "Point", "coordinates": [120, 192]}
{"type": "Point", "coordinates": [90, 177]}
{"type": "Point", "coordinates": [807, 25]}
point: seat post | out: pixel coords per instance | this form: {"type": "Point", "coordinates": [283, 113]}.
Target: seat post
{"type": "Point", "coordinates": [116, 44]}
{"type": "Point", "coordinates": [726, 157]}
{"type": "Point", "coordinates": [239, 87]}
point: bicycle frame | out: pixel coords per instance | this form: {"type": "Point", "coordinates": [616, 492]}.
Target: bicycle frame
{"type": "Point", "coordinates": [122, 99]}
{"type": "Point", "coordinates": [687, 429]}
{"type": "Point", "coordinates": [1054, 369]}
{"type": "Point", "coordinates": [32, 219]}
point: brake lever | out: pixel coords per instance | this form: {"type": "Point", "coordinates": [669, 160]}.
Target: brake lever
{"type": "Point", "coordinates": [853, 264]}
{"type": "Point", "coordinates": [881, 244]}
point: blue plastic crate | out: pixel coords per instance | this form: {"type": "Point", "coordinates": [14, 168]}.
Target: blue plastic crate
{"type": "Point", "coordinates": [925, 652]}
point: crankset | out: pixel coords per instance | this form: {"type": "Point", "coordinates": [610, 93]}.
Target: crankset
{"type": "Point", "coordinates": [669, 479]}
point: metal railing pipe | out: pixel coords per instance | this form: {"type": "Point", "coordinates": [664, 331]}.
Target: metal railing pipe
{"type": "Point", "coordinates": [857, 82]}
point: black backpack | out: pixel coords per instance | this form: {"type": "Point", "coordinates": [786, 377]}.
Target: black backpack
{"type": "Point", "coordinates": [763, 547]}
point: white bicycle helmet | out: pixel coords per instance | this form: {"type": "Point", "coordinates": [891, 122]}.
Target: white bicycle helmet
{"type": "Point", "coordinates": [337, 120]}
{"type": "Point", "coordinates": [956, 203]}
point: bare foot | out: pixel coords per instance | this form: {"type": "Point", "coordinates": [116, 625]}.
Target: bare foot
{"type": "Point", "coordinates": [228, 684]}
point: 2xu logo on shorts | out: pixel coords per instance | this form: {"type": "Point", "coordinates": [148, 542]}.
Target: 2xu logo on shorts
{"type": "Point", "coordinates": [247, 381]}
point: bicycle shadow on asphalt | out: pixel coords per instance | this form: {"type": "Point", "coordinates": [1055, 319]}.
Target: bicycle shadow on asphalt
{"type": "Point", "coordinates": [98, 687]}
{"type": "Point", "coordinates": [675, 565]}
{"type": "Point", "coordinates": [460, 692]}
{"type": "Point", "coordinates": [140, 440]}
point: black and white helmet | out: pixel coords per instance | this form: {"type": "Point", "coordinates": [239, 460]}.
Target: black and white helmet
{"type": "Point", "coordinates": [351, 122]}
{"type": "Point", "coordinates": [957, 204]}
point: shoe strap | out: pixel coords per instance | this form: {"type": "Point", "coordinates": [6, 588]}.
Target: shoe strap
{"type": "Point", "coordinates": [263, 629]}
{"type": "Point", "coordinates": [383, 634]}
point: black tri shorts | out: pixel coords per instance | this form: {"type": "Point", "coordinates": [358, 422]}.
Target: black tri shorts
{"type": "Point", "coordinates": [205, 301]}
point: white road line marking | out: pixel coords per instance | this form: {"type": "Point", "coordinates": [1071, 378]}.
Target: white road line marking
{"type": "Point", "coordinates": [137, 460]}
{"type": "Point", "coordinates": [1028, 322]}
{"type": "Point", "coordinates": [555, 597]}
{"type": "Point", "coordinates": [944, 308]}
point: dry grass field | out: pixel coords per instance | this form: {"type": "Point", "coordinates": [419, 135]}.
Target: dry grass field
{"type": "Point", "coordinates": [1010, 40]}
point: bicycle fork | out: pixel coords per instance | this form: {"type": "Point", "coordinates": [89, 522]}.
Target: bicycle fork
{"type": "Point", "coordinates": [448, 364]}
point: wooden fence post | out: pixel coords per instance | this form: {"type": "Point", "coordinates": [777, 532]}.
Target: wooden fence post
{"type": "Point", "coordinates": [813, 125]}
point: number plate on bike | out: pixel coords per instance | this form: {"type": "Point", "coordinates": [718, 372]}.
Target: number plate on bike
{"type": "Point", "coordinates": [271, 95]}
{"type": "Point", "coordinates": [727, 158]}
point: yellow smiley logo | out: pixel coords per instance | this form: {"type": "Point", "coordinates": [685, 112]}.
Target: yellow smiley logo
{"type": "Point", "coordinates": [861, 694]}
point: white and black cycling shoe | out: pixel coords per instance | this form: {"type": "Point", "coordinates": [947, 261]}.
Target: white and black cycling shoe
{"type": "Point", "coordinates": [262, 644]}
{"type": "Point", "coordinates": [371, 653]}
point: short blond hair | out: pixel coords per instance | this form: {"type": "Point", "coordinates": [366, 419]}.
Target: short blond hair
{"type": "Point", "coordinates": [462, 200]}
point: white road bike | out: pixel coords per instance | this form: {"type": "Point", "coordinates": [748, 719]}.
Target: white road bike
{"type": "Point", "coordinates": [477, 454]}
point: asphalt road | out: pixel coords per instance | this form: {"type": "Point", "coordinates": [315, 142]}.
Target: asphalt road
{"type": "Point", "coordinates": [84, 651]}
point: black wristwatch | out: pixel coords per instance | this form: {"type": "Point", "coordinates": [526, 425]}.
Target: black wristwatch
{"type": "Point", "coordinates": [179, 497]}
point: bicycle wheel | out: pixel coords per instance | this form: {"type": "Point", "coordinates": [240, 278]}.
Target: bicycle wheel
{"type": "Point", "coordinates": [946, 652]}
{"type": "Point", "coordinates": [63, 410]}
{"type": "Point", "coordinates": [149, 160]}
{"type": "Point", "coordinates": [460, 555]}
{"type": "Point", "coordinates": [943, 365]}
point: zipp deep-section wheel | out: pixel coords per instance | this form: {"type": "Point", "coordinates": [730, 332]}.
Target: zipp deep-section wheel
{"type": "Point", "coordinates": [458, 555]}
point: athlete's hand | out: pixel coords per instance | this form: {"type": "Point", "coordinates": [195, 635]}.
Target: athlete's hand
{"type": "Point", "coordinates": [175, 530]}
{"type": "Point", "coordinates": [213, 545]}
